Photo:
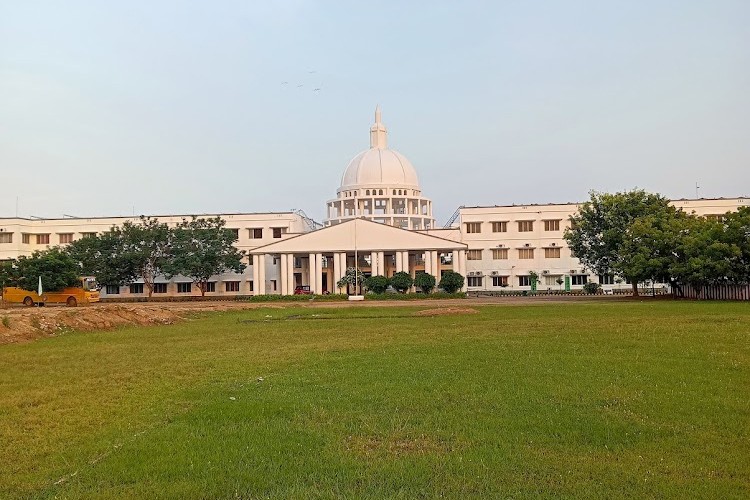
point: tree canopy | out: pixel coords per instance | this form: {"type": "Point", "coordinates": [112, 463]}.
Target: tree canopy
{"type": "Point", "coordinates": [56, 268]}
{"type": "Point", "coordinates": [451, 281]}
{"type": "Point", "coordinates": [401, 281]}
{"type": "Point", "coordinates": [202, 248]}
{"type": "Point", "coordinates": [425, 281]}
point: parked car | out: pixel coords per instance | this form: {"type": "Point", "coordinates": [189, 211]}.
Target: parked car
{"type": "Point", "coordinates": [303, 290]}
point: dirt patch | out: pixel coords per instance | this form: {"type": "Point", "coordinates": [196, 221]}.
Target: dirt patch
{"type": "Point", "coordinates": [446, 311]}
{"type": "Point", "coordinates": [33, 323]}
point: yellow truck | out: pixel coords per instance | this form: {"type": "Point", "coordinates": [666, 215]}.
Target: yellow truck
{"type": "Point", "coordinates": [87, 293]}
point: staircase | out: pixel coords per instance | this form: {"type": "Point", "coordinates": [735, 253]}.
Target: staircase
{"type": "Point", "coordinates": [453, 218]}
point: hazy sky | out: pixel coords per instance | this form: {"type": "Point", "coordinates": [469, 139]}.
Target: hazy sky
{"type": "Point", "coordinates": [178, 107]}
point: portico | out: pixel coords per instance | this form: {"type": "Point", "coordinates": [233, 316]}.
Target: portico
{"type": "Point", "coordinates": [320, 258]}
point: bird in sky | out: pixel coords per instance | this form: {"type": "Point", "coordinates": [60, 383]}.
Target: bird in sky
{"type": "Point", "coordinates": [300, 85]}
{"type": "Point", "coordinates": [316, 90]}
{"type": "Point", "coordinates": [284, 83]}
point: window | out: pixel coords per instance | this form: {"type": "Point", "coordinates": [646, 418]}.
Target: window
{"type": "Point", "coordinates": [277, 231]}
{"type": "Point", "coordinates": [552, 225]}
{"type": "Point", "coordinates": [136, 288]}
{"type": "Point", "coordinates": [6, 237]}
{"type": "Point", "coordinates": [524, 281]}
{"type": "Point", "coordinates": [25, 238]}
{"type": "Point", "coordinates": [499, 281]}
{"type": "Point", "coordinates": [113, 289]}
{"type": "Point", "coordinates": [184, 287]}
{"type": "Point", "coordinates": [552, 253]}
{"type": "Point", "coordinates": [551, 279]}
{"type": "Point", "coordinates": [88, 235]}
{"type": "Point", "coordinates": [499, 254]}
{"type": "Point", "coordinates": [525, 253]}
{"type": "Point", "coordinates": [500, 227]}
{"type": "Point", "coordinates": [579, 279]}
{"type": "Point", "coordinates": [473, 255]}
{"type": "Point", "coordinates": [42, 239]}
{"type": "Point", "coordinates": [211, 286]}
{"type": "Point", "coordinates": [250, 286]}
{"type": "Point", "coordinates": [256, 233]}
{"type": "Point", "coordinates": [232, 286]}
{"type": "Point", "coordinates": [66, 238]}
{"type": "Point", "coordinates": [473, 227]}
{"type": "Point", "coordinates": [160, 288]}
{"type": "Point", "coordinates": [273, 285]}
{"type": "Point", "coordinates": [474, 281]}
{"type": "Point", "coordinates": [525, 226]}
{"type": "Point", "coordinates": [606, 279]}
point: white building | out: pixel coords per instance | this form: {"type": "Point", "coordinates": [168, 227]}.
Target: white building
{"type": "Point", "coordinates": [380, 222]}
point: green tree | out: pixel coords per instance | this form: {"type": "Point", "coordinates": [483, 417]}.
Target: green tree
{"type": "Point", "coordinates": [451, 281]}
{"type": "Point", "coordinates": [648, 248]}
{"type": "Point", "coordinates": [202, 248]}
{"type": "Point", "coordinates": [56, 268]}
{"type": "Point", "coordinates": [424, 281]}
{"type": "Point", "coordinates": [600, 229]}
{"type": "Point", "coordinates": [8, 273]}
{"type": "Point", "coordinates": [147, 246]}
{"type": "Point", "coordinates": [401, 281]}
{"type": "Point", "coordinates": [377, 283]}
{"type": "Point", "coordinates": [353, 277]}
{"type": "Point", "coordinates": [104, 256]}
{"type": "Point", "coordinates": [737, 233]}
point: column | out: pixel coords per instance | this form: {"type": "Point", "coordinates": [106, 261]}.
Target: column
{"type": "Point", "coordinates": [454, 259]}
{"type": "Point", "coordinates": [381, 263]}
{"type": "Point", "coordinates": [312, 270]}
{"type": "Point", "coordinates": [256, 274]}
{"type": "Point", "coordinates": [261, 285]}
{"type": "Point", "coordinates": [290, 273]}
{"type": "Point", "coordinates": [337, 275]}
{"type": "Point", "coordinates": [462, 267]}
{"type": "Point", "coordinates": [428, 262]}
{"type": "Point", "coordinates": [405, 261]}
{"type": "Point", "coordinates": [284, 275]}
{"type": "Point", "coordinates": [436, 264]}
{"type": "Point", "coordinates": [318, 273]}
{"type": "Point", "coordinates": [399, 262]}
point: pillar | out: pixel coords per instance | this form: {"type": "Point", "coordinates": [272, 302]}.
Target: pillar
{"type": "Point", "coordinates": [290, 285]}
{"type": "Point", "coordinates": [381, 263]}
{"type": "Point", "coordinates": [256, 274]}
{"type": "Point", "coordinates": [399, 262]}
{"type": "Point", "coordinates": [436, 264]}
{"type": "Point", "coordinates": [312, 269]}
{"type": "Point", "coordinates": [284, 275]}
{"type": "Point", "coordinates": [454, 259]}
{"type": "Point", "coordinates": [405, 261]}
{"type": "Point", "coordinates": [261, 284]}
{"type": "Point", "coordinates": [318, 273]}
{"type": "Point", "coordinates": [427, 262]}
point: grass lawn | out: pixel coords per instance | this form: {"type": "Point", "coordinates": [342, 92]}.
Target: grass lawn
{"type": "Point", "coordinates": [612, 399]}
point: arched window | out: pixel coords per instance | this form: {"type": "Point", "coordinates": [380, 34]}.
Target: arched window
{"type": "Point", "coordinates": [380, 192]}
{"type": "Point", "coordinates": [367, 192]}
{"type": "Point", "coordinates": [394, 192]}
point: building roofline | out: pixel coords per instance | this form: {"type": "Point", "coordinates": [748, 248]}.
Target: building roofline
{"type": "Point", "coordinates": [581, 202]}
{"type": "Point", "coordinates": [143, 215]}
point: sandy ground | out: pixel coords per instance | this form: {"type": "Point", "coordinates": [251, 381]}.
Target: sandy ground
{"type": "Point", "coordinates": [24, 324]}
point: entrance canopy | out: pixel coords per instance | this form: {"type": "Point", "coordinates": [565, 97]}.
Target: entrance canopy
{"type": "Point", "coordinates": [362, 234]}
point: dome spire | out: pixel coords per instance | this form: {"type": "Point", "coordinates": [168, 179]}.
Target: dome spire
{"type": "Point", "coordinates": [378, 132]}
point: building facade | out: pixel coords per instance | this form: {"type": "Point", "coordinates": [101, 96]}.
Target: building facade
{"type": "Point", "coordinates": [380, 223]}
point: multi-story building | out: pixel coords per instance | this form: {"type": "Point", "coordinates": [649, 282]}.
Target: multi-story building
{"type": "Point", "coordinates": [380, 223]}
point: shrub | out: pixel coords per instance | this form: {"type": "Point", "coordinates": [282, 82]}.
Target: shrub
{"type": "Point", "coordinates": [401, 282]}
{"type": "Point", "coordinates": [451, 281]}
{"type": "Point", "coordinates": [425, 281]}
{"type": "Point", "coordinates": [377, 284]}
{"type": "Point", "coordinates": [591, 287]}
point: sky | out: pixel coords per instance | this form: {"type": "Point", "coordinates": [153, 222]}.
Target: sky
{"type": "Point", "coordinates": [178, 107]}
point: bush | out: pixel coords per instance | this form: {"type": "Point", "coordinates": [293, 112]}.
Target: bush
{"type": "Point", "coordinates": [377, 284]}
{"type": "Point", "coordinates": [451, 281]}
{"type": "Point", "coordinates": [401, 282]}
{"type": "Point", "coordinates": [425, 281]}
{"type": "Point", "coordinates": [591, 287]}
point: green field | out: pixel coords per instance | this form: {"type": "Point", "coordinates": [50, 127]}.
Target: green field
{"type": "Point", "coordinates": [611, 399]}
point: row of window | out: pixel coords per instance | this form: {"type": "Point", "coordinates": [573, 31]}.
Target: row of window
{"type": "Point", "coordinates": [380, 192]}
{"type": "Point", "coordinates": [41, 238]}
{"type": "Point", "coordinates": [549, 280]}
{"type": "Point", "coordinates": [137, 288]}
{"type": "Point", "coordinates": [523, 253]}
{"type": "Point", "coordinates": [524, 226]}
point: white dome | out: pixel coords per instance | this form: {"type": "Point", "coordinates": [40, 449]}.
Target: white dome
{"type": "Point", "coordinates": [384, 167]}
